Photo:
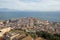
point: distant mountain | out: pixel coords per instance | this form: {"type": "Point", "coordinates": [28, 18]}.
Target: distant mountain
{"type": "Point", "coordinates": [6, 10]}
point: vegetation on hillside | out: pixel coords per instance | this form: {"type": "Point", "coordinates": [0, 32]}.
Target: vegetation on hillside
{"type": "Point", "coordinates": [48, 36]}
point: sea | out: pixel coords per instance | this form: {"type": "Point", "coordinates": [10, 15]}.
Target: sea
{"type": "Point", "coordinates": [50, 16]}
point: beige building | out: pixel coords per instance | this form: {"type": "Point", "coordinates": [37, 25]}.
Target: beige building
{"type": "Point", "coordinates": [3, 31]}
{"type": "Point", "coordinates": [1, 21]}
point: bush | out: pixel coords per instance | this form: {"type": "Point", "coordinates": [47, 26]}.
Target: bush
{"type": "Point", "coordinates": [47, 36]}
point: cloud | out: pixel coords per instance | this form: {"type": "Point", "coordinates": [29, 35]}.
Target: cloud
{"type": "Point", "coordinates": [31, 5]}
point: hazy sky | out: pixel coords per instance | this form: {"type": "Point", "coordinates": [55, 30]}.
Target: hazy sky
{"type": "Point", "coordinates": [31, 5]}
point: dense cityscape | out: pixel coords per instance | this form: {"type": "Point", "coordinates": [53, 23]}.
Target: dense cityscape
{"type": "Point", "coordinates": [29, 28]}
{"type": "Point", "coordinates": [29, 19]}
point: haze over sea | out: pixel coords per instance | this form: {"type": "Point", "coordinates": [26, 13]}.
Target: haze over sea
{"type": "Point", "coordinates": [43, 9]}
{"type": "Point", "coordinates": [51, 16]}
